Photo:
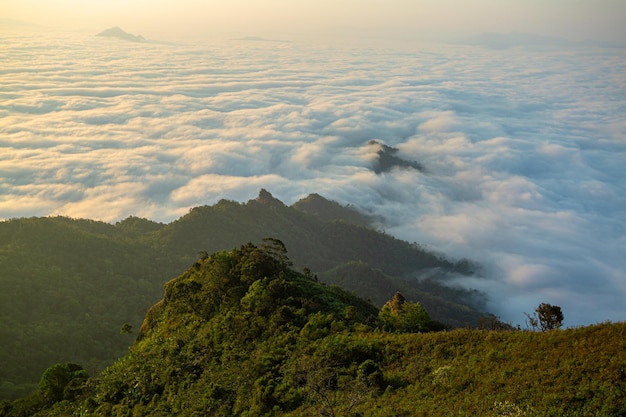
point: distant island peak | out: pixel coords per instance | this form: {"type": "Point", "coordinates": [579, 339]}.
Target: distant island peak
{"type": "Point", "coordinates": [117, 32]}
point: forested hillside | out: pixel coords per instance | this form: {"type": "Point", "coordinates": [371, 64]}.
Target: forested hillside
{"type": "Point", "coordinates": [242, 334]}
{"type": "Point", "coordinates": [68, 286]}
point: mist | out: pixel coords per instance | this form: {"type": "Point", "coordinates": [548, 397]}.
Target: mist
{"type": "Point", "coordinates": [522, 148]}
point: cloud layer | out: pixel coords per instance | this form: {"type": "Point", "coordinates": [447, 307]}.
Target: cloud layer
{"type": "Point", "coordinates": [523, 151]}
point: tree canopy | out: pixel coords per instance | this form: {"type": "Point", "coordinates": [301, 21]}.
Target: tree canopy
{"type": "Point", "coordinates": [68, 286]}
{"type": "Point", "coordinates": [400, 315]}
{"type": "Point", "coordinates": [240, 333]}
{"type": "Point", "coordinates": [546, 317]}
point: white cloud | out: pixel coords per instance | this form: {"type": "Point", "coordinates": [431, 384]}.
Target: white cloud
{"type": "Point", "coordinates": [523, 150]}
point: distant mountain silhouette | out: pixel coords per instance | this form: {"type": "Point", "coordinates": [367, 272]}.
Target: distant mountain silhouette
{"type": "Point", "coordinates": [117, 32]}
{"type": "Point", "coordinates": [516, 39]}
{"type": "Point", "coordinates": [259, 39]}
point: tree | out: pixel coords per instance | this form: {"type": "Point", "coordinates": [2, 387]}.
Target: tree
{"type": "Point", "coordinates": [126, 328]}
{"type": "Point", "coordinates": [550, 317]}
{"type": "Point", "coordinates": [55, 381]}
{"type": "Point", "coordinates": [277, 250]}
{"type": "Point", "coordinates": [546, 317]}
{"type": "Point", "coordinates": [400, 315]}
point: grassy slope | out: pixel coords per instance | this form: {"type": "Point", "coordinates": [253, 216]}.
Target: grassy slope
{"type": "Point", "coordinates": [241, 334]}
{"type": "Point", "coordinates": [574, 372]}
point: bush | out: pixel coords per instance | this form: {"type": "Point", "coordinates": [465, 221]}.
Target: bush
{"type": "Point", "coordinates": [62, 381]}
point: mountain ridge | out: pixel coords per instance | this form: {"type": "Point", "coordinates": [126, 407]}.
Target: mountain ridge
{"type": "Point", "coordinates": [67, 286]}
{"type": "Point", "coordinates": [241, 333]}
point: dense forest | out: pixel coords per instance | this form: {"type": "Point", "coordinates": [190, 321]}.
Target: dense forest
{"type": "Point", "coordinates": [74, 290]}
{"type": "Point", "coordinates": [242, 333]}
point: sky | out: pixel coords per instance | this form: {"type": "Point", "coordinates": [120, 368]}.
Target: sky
{"type": "Point", "coordinates": [523, 145]}
{"type": "Point", "coordinates": [182, 19]}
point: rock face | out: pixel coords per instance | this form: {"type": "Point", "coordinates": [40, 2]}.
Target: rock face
{"type": "Point", "coordinates": [117, 32]}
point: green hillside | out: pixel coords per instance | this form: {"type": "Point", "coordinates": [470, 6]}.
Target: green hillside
{"type": "Point", "coordinates": [67, 286]}
{"type": "Point", "coordinates": [242, 334]}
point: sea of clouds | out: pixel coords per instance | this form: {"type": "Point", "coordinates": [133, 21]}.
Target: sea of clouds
{"type": "Point", "coordinates": [524, 149]}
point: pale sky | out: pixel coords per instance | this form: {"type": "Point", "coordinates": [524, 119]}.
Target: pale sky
{"type": "Point", "coordinates": [575, 19]}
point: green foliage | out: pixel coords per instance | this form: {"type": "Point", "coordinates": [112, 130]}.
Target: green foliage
{"type": "Point", "coordinates": [326, 210]}
{"type": "Point", "coordinates": [509, 409]}
{"type": "Point", "coordinates": [547, 317]}
{"type": "Point", "coordinates": [400, 315]}
{"type": "Point", "coordinates": [454, 306]}
{"type": "Point", "coordinates": [369, 373]}
{"type": "Point", "coordinates": [126, 328]}
{"type": "Point", "coordinates": [242, 334]}
{"type": "Point", "coordinates": [62, 382]}
{"type": "Point", "coordinates": [68, 285]}
{"type": "Point", "coordinates": [239, 342]}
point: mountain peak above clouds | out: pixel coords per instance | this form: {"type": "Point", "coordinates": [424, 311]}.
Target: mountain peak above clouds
{"type": "Point", "coordinates": [117, 32]}
{"type": "Point", "coordinates": [387, 159]}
